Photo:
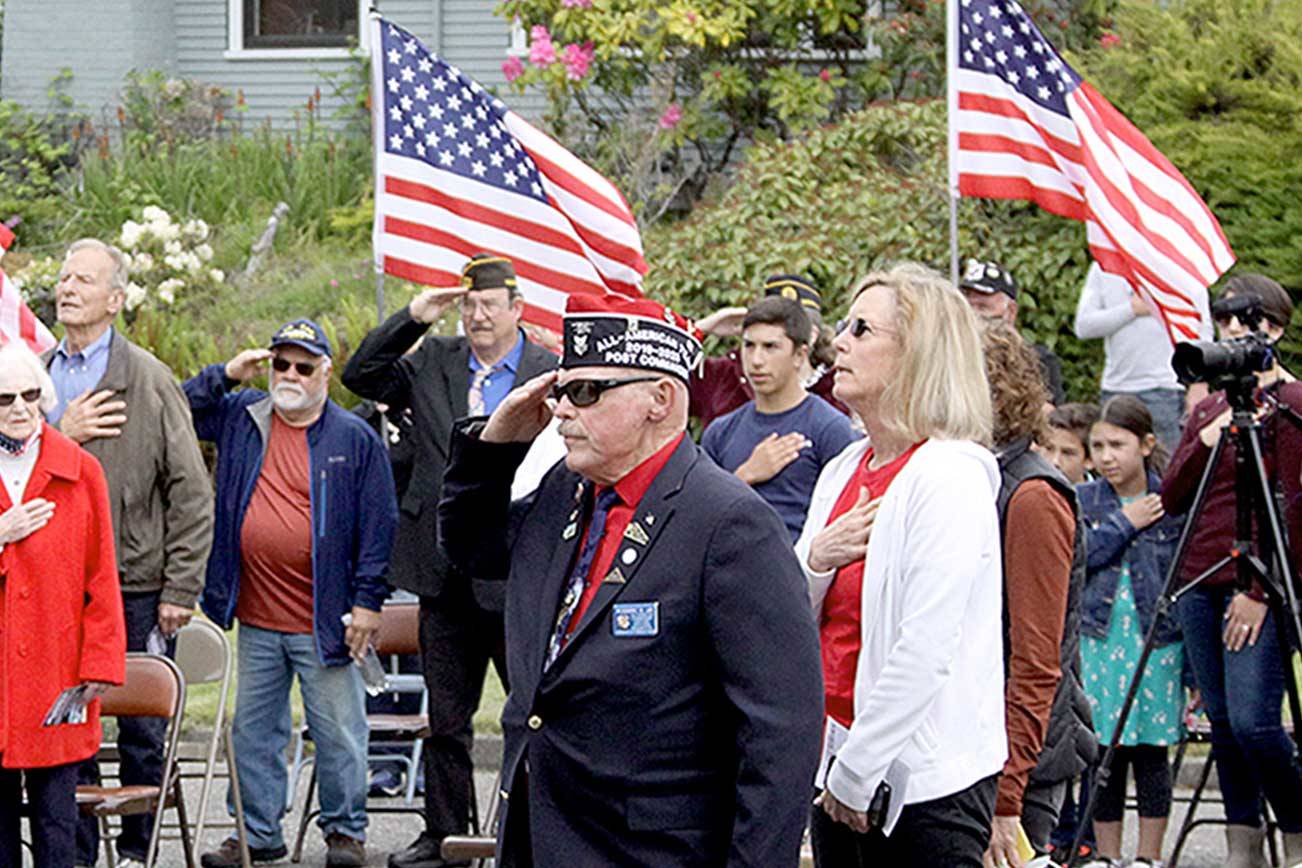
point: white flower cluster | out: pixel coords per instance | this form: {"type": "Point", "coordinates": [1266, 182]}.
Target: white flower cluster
{"type": "Point", "coordinates": [167, 257]}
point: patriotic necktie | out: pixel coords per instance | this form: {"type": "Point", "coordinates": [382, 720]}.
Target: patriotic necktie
{"type": "Point", "coordinates": [476, 399]}
{"type": "Point", "coordinates": [579, 575]}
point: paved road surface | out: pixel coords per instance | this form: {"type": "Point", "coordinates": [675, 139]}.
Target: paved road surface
{"type": "Point", "coordinates": [390, 832]}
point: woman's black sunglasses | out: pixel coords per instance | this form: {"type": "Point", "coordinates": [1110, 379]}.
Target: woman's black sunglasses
{"type": "Point", "coordinates": [31, 396]}
{"type": "Point", "coordinates": [305, 369]}
{"type": "Point", "coordinates": [585, 393]}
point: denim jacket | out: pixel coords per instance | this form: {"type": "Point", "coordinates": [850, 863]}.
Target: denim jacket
{"type": "Point", "coordinates": [1112, 538]}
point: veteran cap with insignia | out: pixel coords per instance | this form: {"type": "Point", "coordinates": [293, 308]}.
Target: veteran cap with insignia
{"type": "Point", "coordinates": [988, 278]}
{"type": "Point", "coordinates": [302, 333]}
{"type": "Point", "coordinates": [488, 271]}
{"type": "Point", "coordinates": [796, 288]}
{"type": "Point", "coordinates": [620, 332]}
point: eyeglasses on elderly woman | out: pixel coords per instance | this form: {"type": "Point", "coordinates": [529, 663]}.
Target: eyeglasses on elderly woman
{"type": "Point", "coordinates": [29, 396]}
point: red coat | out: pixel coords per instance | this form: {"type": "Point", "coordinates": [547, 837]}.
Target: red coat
{"type": "Point", "coordinates": [60, 609]}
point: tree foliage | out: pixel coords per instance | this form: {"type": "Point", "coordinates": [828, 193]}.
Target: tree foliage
{"type": "Point", "coordinates": [662, 94]}
{"type": "Point", "coordinates": [857, 196]}
{"type": "Point", "coordinates": [1217, 86]}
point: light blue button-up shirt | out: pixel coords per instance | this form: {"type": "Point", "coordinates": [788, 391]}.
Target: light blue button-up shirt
{"type": "Point", "coordinates": [502, 380]}
{"type": "Point", "coordinates": [74, 373]}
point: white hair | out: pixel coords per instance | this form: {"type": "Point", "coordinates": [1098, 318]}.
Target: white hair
{"type": "Point", "coordinates": [15, 356]}
{"type": "Point", "coordinates": [119, 275]}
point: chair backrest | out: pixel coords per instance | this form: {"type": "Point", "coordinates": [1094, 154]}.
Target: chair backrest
{"type": "Point", "coordinates": [399, 631]}
{"type": "Point", "coordinates": [154, 687]}
{"type": "Point", "coordinates": [202, 652]}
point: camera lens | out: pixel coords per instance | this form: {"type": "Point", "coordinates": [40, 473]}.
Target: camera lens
{"type": "Point", "coordinates": [1213, 361]}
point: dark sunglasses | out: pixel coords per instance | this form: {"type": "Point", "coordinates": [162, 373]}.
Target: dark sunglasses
{"type": "Point", "coordinates": [859, 327]}
{"type": "Point", "coordinates": [585, 393]}
{"type": "Point", "coordinates": [31, 396]}
{"type": "Point", "coordinates": [305, 369]}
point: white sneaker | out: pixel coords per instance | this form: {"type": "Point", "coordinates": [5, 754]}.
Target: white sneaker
{"type": "Point", "coordinates": [1103, 862]}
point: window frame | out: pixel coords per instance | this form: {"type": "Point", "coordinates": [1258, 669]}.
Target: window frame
{"type": "Point", "coordinates": [236, 50]}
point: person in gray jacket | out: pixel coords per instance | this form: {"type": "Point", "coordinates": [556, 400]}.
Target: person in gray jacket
{"type": "Point", "coordinates": [125, 407]}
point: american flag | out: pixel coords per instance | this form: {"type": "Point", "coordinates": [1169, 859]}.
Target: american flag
{"type": "Point", "coordinates": [458, 173]}
{"type": "Point", "coordinates": [17, 322]}
{"type": "Point", "coordinates": [1023, 125]}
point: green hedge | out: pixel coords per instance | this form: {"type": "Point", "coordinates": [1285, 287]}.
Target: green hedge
{"type": "Point", "coordinates": [1217, 86]}
{"type": "Point", "coordinates": [857, 196]}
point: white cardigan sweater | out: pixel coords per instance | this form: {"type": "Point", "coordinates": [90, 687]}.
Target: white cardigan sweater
{"type": "Point", "coordinates": [929, 687]}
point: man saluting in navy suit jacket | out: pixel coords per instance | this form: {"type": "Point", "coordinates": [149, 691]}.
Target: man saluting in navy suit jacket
{"type": "Point", "coordinates": [665, 705]}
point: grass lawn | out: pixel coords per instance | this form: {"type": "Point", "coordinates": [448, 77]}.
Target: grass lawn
{"type": "Point", "coordinates": [201, 702]}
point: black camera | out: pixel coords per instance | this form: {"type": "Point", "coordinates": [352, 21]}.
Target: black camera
{"type": "Point", "coordinates": [1215, 361]}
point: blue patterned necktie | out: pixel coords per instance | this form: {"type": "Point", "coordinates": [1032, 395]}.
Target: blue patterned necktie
{"type": "Point", "coordinates": [579, 575]}
{"type": "Point", "coordinates": [475, 398]}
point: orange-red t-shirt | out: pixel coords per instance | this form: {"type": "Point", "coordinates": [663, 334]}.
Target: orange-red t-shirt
{"type": "Point", "coordinates": [839, 626]}
{"type": "Point", "coordinates": [276, 538]}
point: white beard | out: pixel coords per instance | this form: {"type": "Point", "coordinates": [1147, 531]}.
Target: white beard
{"type": "Point", "coordinates": [291, 398]}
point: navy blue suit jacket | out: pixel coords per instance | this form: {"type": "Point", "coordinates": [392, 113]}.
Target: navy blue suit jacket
{"type": "Point", "coordinates": [694, 746]}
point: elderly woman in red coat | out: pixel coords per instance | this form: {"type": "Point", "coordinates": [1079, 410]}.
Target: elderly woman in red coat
{"type": "Point", "coordinates": [60, 610]}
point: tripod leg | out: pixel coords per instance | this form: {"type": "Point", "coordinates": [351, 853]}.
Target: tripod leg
{"type": "Point", "coordinates": [1278, 584]}
{"type": "Point", "coordinates": [1168, 596]}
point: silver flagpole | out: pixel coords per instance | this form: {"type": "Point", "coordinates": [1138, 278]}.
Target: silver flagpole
{"type": "Point", "coordinates": [377, 142]}
{"type": "Point", "coordinates": [377, 134]}
{"type": "Point", "coordinates": [951, 111]}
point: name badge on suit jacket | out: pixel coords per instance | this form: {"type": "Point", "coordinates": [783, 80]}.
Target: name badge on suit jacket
{"type": "Point", "coordinates": [635, 619]}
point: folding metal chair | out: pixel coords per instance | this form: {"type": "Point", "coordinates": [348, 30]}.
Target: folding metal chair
{"type": "Point", "coordinates": [399, 634]}
{"type": "Point", "coordinates": [203, 654]}
{"type": "Point", "coordinates": [154, 687]}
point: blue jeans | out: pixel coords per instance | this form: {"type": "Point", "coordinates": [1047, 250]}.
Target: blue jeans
{"type": "Point", "coordinates": [335, 708]}
{"type": "Point", "coordinates": [1167, 409]}
{"type": "Point", "coordinates": [1243, 692]}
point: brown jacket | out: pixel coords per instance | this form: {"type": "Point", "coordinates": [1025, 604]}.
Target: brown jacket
{"type": "Point", "coordinates": [158, 485]}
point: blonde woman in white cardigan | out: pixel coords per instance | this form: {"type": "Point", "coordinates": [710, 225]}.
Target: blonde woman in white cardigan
{"type": "Point", "coordinates": [901, 548]}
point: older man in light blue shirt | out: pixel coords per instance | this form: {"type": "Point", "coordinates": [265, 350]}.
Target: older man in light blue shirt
{"type": "Point", "coordinates": [77, 371]}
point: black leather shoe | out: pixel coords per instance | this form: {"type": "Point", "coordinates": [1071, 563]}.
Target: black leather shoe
{"type": "Point", "coordinates": [423, 853]}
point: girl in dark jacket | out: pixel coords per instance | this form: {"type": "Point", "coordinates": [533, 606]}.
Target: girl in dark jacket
{"type": "Point", "coordinates": [1130, 546]}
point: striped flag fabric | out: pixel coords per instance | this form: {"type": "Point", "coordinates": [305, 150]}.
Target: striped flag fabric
{"type": "Point", "coordinates": [1024, 125]}
{"type": "Point", "coordinates": [17, 322]}
{"type": "Point", "coordinates": [457, 173]}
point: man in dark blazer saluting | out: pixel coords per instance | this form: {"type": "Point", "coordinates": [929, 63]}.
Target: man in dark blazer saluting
{"type": "Point", "coordinates": [444, 379]}
{"type": "Point", "coordinates": [665, 705]}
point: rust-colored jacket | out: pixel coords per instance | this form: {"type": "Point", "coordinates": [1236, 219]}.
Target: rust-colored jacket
{"type": "Point", "coordinates": [60, 609]}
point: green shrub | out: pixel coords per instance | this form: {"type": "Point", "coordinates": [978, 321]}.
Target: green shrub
{"type": "Point", "coordinates": [227, 182]}
{"type": "Point", "coordinates": [857, 196]}
{"type": "Point", "coordinates": [35, 151]}
{"type": "Point", "coordinates": [1219, 91]}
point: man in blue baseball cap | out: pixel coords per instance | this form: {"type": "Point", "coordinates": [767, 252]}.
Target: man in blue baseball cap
{"type": "Point", "coordinates": [306, 513]}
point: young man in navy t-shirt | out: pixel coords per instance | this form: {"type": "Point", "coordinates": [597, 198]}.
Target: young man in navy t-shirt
{"type": "Point", "coordinates": [779, 442]}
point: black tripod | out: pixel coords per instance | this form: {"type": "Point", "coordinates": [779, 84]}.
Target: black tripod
{"type": "Point", "coordinates": [1266, 562]}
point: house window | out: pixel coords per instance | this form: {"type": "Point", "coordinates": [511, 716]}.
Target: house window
{"type": "Point", "coordinates": [299, 23]}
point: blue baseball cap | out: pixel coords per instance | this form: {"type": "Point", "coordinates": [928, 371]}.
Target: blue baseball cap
{"type": "Point", "coordinates": [302, 333]}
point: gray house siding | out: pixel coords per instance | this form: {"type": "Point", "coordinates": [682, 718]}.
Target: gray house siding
{"type": "Point", "coordinates": [190, 38]}
{"type": "Point", "coordinates": [100, 40]}
{"type": "Point", "coordinates": [476, 41]}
